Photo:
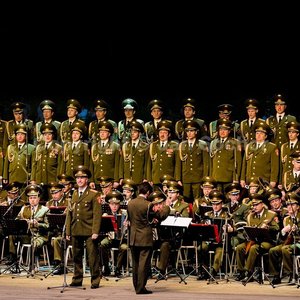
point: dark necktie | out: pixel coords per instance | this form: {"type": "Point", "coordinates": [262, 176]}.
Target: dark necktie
{"type": "Point", "coordinates": [103, 145]}
{"type": "Point", "coordinates": [162, 145]}
{"type": "Point", "coordinates": [251, 123]}
{"type": "Point", "coordinates": [74, 145]}
{"type": "Point", "coordinates": [292, 145]}
{"type": "Point", "coordinates": [47, 146]}
{"type": "Point", "coordinates": [222, 141]}
{"type": "Point", "coordinates": [20, 146]}
{"type": "Point", "coordinates": [191, 146]}
{"type": "Point", "coordinates": [133, 146]}
{"type": "Point", "coordinates": [216, 215]}
{"type": "Point", "coordinates": [279, 119]}
{"type": "Point", "coordinates": [80, 194]}
{"type": "Point", "coordinates": [70, 123]}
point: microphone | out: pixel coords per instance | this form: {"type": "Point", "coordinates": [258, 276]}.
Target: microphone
{"type": "Point", "coordinates": [1, 182]}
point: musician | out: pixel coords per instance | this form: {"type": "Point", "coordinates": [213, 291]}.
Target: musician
{"type": "Point", "coordinates": [67, 182]}
{"type": "Point", "coordinates": [207, 184]}
{"type": "Point", "coordinates": [253, 188]}
{"type": "Point", "coordinates": [275, 203]}
{"type": "Point", "coordinates": [284, 251]}
{"type": "Point", "coordinates": [239, 212]}
{"type": "Point", "coordinates": [106, 186]}
{"type": "Point", "coordinates": [291, 178]}
{"type": "Point", "coordinates": [259, 217]}
{"type": "Point", "coordinates": [164, 181]}
{"type": "Point", "coordinates": [218, 216]}
{"type": "Point", "coordinates": [172, 205]}
{"type": "Point", "coordinates": [83, 225]}
{"type": "Point", "coordinates": [128, 189]}
{"type": "Point", "coordinates": [13, 195]}
{"type": "Point", "coordinates": [36, 216]}
{"type": "Point", "coordinates": [113, 199]}
{"type": "Point", "coordinates": [58, 204]}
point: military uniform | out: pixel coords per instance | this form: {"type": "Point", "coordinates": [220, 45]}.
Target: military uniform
{"type": "Point", "coordinates": [65, 130]}
{"type": "Point", "coordinates": [179, 129]}
{"type": "Point", "coordinates": [161, 161]}
{"type": "Point", "coordinates": [262, 162]}
{"type": "Point", "coordinates": [266, 217]}
{"type": "Point", "coordinates": [45, 163]}
{"type": "Point", "coordinates": [247, 131]}
{"type": "Point", "coordinates": [83, 220]}
{"type": "Point", "coordinates": [283, 252]}
{"type": "Point", "coordinates": [39, 137]}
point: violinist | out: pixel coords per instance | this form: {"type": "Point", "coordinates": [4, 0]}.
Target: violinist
{"type": "Point", "coordinates": [247, 252]}
{"type": "Point", "coordinates": [284, 251]}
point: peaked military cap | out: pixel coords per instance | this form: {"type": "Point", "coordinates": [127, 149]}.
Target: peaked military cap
{"type": "Point", "coordinates": [82, 171]}
{"type": "Point", "coordinates": [105, 181]}
{"type": "Point", "coordinates": [114, 197]}
{"type": "Point", "coordinates": [190, 125]}
{"type": "Point", "coordinates": [174, 187]}
{"type": "Point", "coordinates": [166, 178]}
{"type": "Point", "coordinates": [224, 123]}
{"type": "Point", "coordinates": [251, 103]}
{"type": "Point", "coordinates": [225, 109]}
{"type": "Point", "coordinates": [18, 107]}
{"type": "Point", "coordinates": [291, 198]}
{"type": "Point", "coordinates": [56, 187]}
{"type": "Point", "coordinates": [165, 125]}
{"type": "Point", "coordinates": [105, 126]}
{"type": "Point", "coordinates": [273, 193]}
{"type": "Point", "coordinates": [78, 126]}
{"type": "Point", "coordinates": [253, 182]}
{"type": "Point", "coordinates": [65, 179]}
{"type": "Point", "coordinates": [13, 187]}
{"type": "Point", "coordinates": [100, 104]}
{"type": "Point", "coordinates": [128, 184]}
{"type": "Point", "coordinates": [129, 104]}
{"type": "Point", "coordinates": [215, 196]}
{"type": "Point", "coordinates": [190, 102]}
{"type": "Point", "coordinates": [48, 128]}
{"type": "Point", "coordinates": [135, 125]}
{"type": "Point", "coordinates": [47, 104]}
{"type": "Point", "coordinates": [208, 181]}
{"type": "Point", "coordinates": [296, 155]}
{"type": "Point", "coordinates": [156, 197]}
{"type": "Point", "coordinates": [293, 126]}
{"type": "Point", "coordinates": [263, 126]}
{"type": "Point", "coordinates": [73, 103]}
{"type": "Point", "coordinates": [20, 128]}
{"type": "Point", "coordinates": [233, 189]}
{"type": "Point", "coordinates": [33, 190]}
{"type": "Point", "coordinates": [278, 99]}
{"type": "Point", "coordinates": [256, 198]}
{"type": "Point", "coordinates": [155, 104]}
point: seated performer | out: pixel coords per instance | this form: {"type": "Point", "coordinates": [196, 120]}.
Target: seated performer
{"type": "Point", "coordinates": [284, 251]}
{"type": "Point", "coordinates": [247, 252]}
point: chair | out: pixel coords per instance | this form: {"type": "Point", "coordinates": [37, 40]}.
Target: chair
{"type": "Point", "coordinates": [28, 256]}
{"type": "Point", "coordinates": [182, 255]}
{"type": "Point", "coordinates": [69, 255]}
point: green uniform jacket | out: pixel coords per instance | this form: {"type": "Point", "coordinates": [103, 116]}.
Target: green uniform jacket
{"type": "Point", "coordinates": [262, 162]}
{"type": "Point", "coordinates": [84, 214]}
{"type": "Point", "coordinates": [17, 163]}
{"type": "Point", "coordinates": [94, 131]}
{"type": "Point", "coordinates": [65, 132]}
{"type": "Point", "coordinates": [125, 130]}
{"type": "Point", "coordinates": [289, 181]}
{"type": "Point", "coordinates": [193, 164]}
{"type": "Point", "coordinates": [161, 161]}
{"type": "Point", "coordinates": [39, 138]}
{"type": "Point", "coordinates": [180, 207]}
{"type": "Point", "coordinates": [45, 163]}
{"type": "Point", "coordinates": [73, 158]}
{"type": "Point", "coordinates": [180, 133]}
{"type": "Point", "coordinates": [213, 132]}
{"type": "Point", "coordinates": [289, 221]}
{"type": "Point", "coordinates": [40, 215]}
{"type": "Point", "coordinates": [151, 132]}
{"type": "Point", "coordinates": [226, 160]}
{"type": "Point", "coordinates": [247, 132]}
{"type": "Point", "coordinates": [10, 125]}
{"type": "Point", "coordinates": [105, 161]}
{"type": "Point", "coordinates": [285, 159]}
{"type": "Point", "coordinates": [280, 133]}
{"type": "Point", "coordinates": [133, 163]}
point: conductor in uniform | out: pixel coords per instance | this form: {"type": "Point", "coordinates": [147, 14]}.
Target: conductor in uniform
{"type": "Point", "coordinates": [83, 227]}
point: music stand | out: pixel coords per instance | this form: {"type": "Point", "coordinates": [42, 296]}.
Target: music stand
{"type": "Point", "coordinates": [200, 233]}
{"type": "Point", "coordinates": [258, 235]}
{"type": "Point", "coordinates": [9, 212]}
{"type": "Point", "coordinates": [176, 225]}
{"type": "Point", "coordinates": [17, 228]}
{"type": "Point", "coordinates": [56, 222]}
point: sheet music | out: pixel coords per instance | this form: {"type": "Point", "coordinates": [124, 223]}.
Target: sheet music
{"type": "Point", "coordinates": [176, 221]}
